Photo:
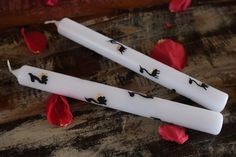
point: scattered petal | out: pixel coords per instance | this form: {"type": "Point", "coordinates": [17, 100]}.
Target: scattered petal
{"type": "Point", "coordinates": [170, 53]}
{"type": "Point", "coordinates": [168, 25]}
{"type": "Point", "coordinates": [51, 3]}
{"type": "Point", "coordinates": [58, 111]}
{"type": "Point", "coordinates": [173, 133]}
{"type": "Point", "coordinates": [179, 5]}
{"type": "Point", "coordinates": [35, 41]}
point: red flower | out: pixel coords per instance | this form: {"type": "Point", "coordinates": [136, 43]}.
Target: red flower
{"type": "Point", "coordinates": [58, 111]}
{"type": "Point", "coordinates": [170, 53]}
{"type": "Point", "coordinates": [173, 133]}
{"type": "Point", "coordinates": [35, 41]}
{"type": "Point", "coordinates": [179, 5]}
{"type": "Point", "coordinates": [51, 3]}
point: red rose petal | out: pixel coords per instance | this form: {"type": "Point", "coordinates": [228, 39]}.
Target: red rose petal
{"type": "Point", "coordinates": [58, 111]}
{"type": "Point", "coordinates": [179, 5]}
{"type": "Point", "coordinates": [170, 53]}
{"type": "Point", "coordinates": [173, 133]}
{"type": "Point", "coordinates": [35, 41]}
{"type": "Point", "coordinates": [51, 3]}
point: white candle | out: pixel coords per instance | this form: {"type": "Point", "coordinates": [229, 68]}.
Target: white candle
{"type": "Point", "coordinates": [120, 99]}
{"type": "Point", "coordinates": [170, 78]}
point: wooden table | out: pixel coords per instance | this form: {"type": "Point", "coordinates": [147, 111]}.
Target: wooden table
{"type": "Point", "coordinates": [207, 30]}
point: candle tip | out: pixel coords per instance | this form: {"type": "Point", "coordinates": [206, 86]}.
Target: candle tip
{"type": "Point", "coordinates": [51, 21]}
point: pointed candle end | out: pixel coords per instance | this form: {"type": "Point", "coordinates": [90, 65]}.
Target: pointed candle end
{"type": "Point", "coordinates": [51, 21]}
{"type": "Point", "coordinates": [14, 72]}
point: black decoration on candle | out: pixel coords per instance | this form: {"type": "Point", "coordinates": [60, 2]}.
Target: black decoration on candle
{"type": "Point", "coordinates": [202, 85]}
{"type": "Point", "coordinates": [42, 80]}
{"type": "Point", "coordinates": [154, 73]}
{"type": "Point", "coordinates": [99, 100]}
{"type": "Point", "coordinates": [121, 48]}
{"type": "Point", "coordinates": [132, 94]}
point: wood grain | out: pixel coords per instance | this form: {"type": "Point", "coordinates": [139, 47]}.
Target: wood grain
{"type": "Point", "coordinates": [208, 32]}
{"type": "Point", "coordinates": [25, 12]}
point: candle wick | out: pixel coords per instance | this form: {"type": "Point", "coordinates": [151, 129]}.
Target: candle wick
{"type": "Point", "coordinates": [9, 66]}
{"type": "Point", "coordinates": [10, 69]}
{"type": "Point", "coordinates": [51, 21]}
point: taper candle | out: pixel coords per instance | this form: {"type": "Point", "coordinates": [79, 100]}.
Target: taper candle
{"type": "Point", "coordinates": [156, 71]}
{"type": "Point", "coordinates": [120, 99]}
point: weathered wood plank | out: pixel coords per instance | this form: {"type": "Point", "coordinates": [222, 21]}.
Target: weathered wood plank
{"type": "Point", "coordinates": [208, 32]}
{"type": "Point", "coordinates": [24, 12]}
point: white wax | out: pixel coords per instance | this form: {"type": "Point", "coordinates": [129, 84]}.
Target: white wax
{"type": "Point", "coordinates": [120, 99]}
{"type": "Point", "coordinates": [170, 78]}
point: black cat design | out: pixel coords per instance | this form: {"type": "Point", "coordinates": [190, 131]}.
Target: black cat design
{"type": "Point", "coordinates": [132, 94]}
{"type": "Point", "coordinates": [42, 80]}
{"type": "Point", "coordinates": [121, 48]}
{"type": "Point", "coordinates": [202, 85]}
{"type": "Point", "coordinates": [99, 100]}
{"type": "Point", "coordinates": [154, 73]}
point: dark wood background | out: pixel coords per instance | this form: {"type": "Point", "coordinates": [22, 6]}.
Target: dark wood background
{"type": "Point", "coordinates": [207, 30]}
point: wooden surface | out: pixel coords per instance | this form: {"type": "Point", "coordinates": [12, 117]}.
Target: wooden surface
{"type": "Point", "coordinates": [207, 30]}
{"type": "Point", "coordinates": [22, 12]}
